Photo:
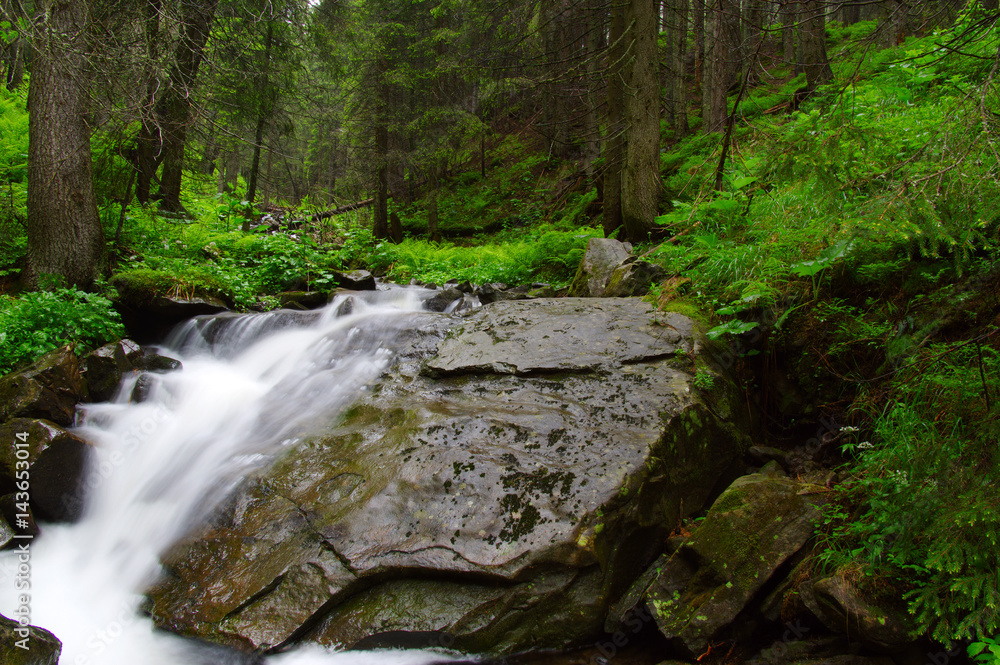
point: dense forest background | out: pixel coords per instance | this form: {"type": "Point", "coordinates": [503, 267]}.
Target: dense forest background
{"type": "Point", "coordinates": [818, 180]}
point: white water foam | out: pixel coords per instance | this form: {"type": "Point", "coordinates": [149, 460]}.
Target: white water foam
{"type": "Point", "coordinates": [249, 387]}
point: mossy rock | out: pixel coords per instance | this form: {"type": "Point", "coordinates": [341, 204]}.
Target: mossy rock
{"type": "Point", "coordinates": [501, 485]}
{"type": "Point", "coordinates": [28, 645]}
{"type": "Point", "coordinates": [144, 286]}
{"type": "Point", "coordinates": [750, 531]}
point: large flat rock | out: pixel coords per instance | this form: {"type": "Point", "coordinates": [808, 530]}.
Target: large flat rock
{"type": "Point", "coordinates": [499, 499]}
{"type": "Point", "coordinates": [576, 334]}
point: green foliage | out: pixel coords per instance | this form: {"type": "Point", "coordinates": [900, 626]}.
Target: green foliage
{"type": "Point", "coordinates": [542, 253]}
{"type": "Point", "coordinates": [986, 651]}
{"type": "Point", "coordinates": [920, 504]}
{"type": "Point", "coordinates": [13, 175]}
{"type": "Point", "coordinates": [38, 322]}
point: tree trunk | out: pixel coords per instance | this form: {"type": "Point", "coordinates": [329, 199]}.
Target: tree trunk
{"type": "Point", "coordinates": [668, 75]}
{"type": "Point", "coordinates": [65, 236]}
{"type": "Point", "coordinates": [788, 16]}
{"type": "Point", "coordinates": [174, 109]}
{"type": "Point", "coordinates": [753, 38]}
{"type": "Point", "coordinates": [817, 64]}
{"type": "Point", "coordinates": [264, 111]}
{"type": "Point", "coordinates": [616, 122]}
{"type": "Point", "coordinates": [641, 173]}
{"type": "Point", "coordinates": [148, 140]}
{"type": "Point", "coordinates": [591, 122]}
{"type": "Point", "coordinates": [380, 214]}
{"type": "Point", "coordinates": [852, 13]}
{"type": "Point", "coordinates": [698, 8]}
{"type": "Point", "coordinates": [722, 61]}
{"type": "Point", "coordinates": [675, 27]}
{"type": "Point", "coordinates": [13, 59]}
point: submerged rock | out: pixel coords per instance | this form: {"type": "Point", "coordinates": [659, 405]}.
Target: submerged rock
{"type": "Point", "coordinates": [439, 301]}
{"type": "Point", "coordinates": [302, 299]}
{"type": "Point", "coordinates": [498, 499]}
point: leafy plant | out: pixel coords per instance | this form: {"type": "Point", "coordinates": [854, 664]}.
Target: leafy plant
{"type": "Point", "coordinates": [919, 506]}
{"type": "Point", "coordinates": [986, 651]}
{"type": "Point", "coordinates": [41, 321]}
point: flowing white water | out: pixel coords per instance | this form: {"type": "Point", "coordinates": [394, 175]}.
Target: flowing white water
{"type": "Point", "coordinates": [250, 386]}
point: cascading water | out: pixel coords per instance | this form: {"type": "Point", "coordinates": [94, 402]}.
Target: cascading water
{"type": "Point", "coordinates": [250, 386]}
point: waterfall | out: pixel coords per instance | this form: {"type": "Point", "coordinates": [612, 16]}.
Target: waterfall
{"type": "Point", "coordinates": [251, 385]}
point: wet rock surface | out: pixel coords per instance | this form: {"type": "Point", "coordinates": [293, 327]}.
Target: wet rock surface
{"type": "Point", "coordinates": [57, 462]}
{"type": "Point", "coordinates": [758, 524]}
{"type": "Point", "coordinates": [603, 255]}
{"type": "Point", "coordinates": [50, 388]}
{"type": "Point", "coordinates": [42, 646]}
{"type": "Point", "coordinates": [496, 490]}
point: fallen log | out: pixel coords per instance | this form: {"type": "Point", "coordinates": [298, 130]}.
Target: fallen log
{"type": "Point", "coordinates": [326, 214]}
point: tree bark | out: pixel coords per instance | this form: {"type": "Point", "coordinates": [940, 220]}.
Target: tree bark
{"type": "Point", "coordinates": [148, 141]}
{"type": "Point", "coordinates": [174, 108]}
{"type": "Point", "coordinates": [264, 111]}
{"type": "Point", "coordinates": [815, 60]}
{"type": "Point", "coordinates": [722, 61]}
{"type": "Point", "coordinates": [616, 122]}
{"type": "Point", "coordinates": [788, 30]}
{"type": "Point", "coordinates": [641, 173]}
{"type": "Point", "coordinates": [65, 236]}
{"type": "Point", "coordinates": [591, 125]}
{"type": "Point", "coordinates": [380, 214]}
{"type": "Point", "coordinates": [675, 19]}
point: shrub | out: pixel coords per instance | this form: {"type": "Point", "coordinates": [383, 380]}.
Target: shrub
{"type": "Point", "coordinates": [920, 506]}
{"type": "Point", "coordinates": [41, 321]}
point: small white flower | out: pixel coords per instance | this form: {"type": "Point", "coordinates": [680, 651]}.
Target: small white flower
{"type": "Point", "coordinates": [848, 428]}
{"type": "Point", "coordinates": [865, 445]}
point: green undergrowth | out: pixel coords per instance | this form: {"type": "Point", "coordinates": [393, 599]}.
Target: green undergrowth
{"type": "Point", "coordinates": [918, 510]}
{"type": "Point", "coordinates": [542, 253]}
{"type": "Point", "coordinates": [855, 241]}
{"type": "Point", "coordinates": [41, 321]}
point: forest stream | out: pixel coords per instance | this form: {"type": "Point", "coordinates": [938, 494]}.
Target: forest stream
{"type": "Point", "coordinates": [163, 464]}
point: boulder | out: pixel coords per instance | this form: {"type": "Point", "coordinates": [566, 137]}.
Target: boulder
{"type": "Point", "coordinates": [6, 533]}
{"type": "Point", "coordinates": [811, 651]}
{"type": "Point", "coordinates": [440, 301]}
{"type": "Point", "coordinates": [749, 533]}
{"type": "Point", "coordinates": [50, 388]}
{"type": "Point", "coordinates": [103, 368]}
{"type": "Point", "coordinates": [27, 645]}
{"type": "Point", "coordinates": [148, 319]}
{"type": "Point", "coordinates": [877, 624]}
{"type": "Point", "coordinates": [496, 500]}
{"type": "Point", "coordinates": [302, 299]}
{"type": "Point", "coordinates": [603, 255]}
{"type": "Point", "coordinates": [154, 362]}
{"type": "Point", "coordinates": [491, 292]}
{"type": "Point", "coordinates": [464, 287]}
{"type": "Point", "coordinates": [632, 278]}
{"type": "Point", "coordinates": [57, 462]}
{"type": "Point", "coordinates": [356, 280]}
